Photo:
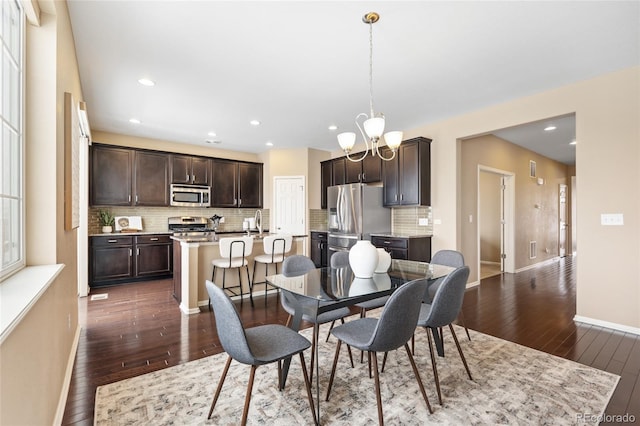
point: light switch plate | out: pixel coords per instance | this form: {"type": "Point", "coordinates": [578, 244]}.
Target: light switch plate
{"type": "Point", "coordinates": [612, 219]}
{"type": "Point", "coordinates": [423, 221]}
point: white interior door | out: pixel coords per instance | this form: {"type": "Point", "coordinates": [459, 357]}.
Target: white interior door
{"type": "Point", "coordinates": [289, 213]}
{"type": "Point", "coordinates": [562, 220]}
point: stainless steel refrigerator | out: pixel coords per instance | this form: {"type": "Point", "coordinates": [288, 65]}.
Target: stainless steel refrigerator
{"type": "Point", "coordinates": [355, 211]}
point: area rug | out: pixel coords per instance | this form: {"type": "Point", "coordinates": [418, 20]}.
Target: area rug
{"type": "Point", "coordinates": [511, 384]}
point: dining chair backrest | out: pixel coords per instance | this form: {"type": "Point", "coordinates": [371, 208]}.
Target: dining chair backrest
{"type": "Point", "coordinates": [235, 247]}
{"type": "Point", "coordinates": [452, 258]}
{"type": "Point", "coordinates": [297, 265]}
{"type": "Point", "coordinates": [399, 317]}
{"type": "Point", "coordinates": [340, 259]}
{"type": "Point", "coordinates": [229, 326]}
{"type": "Point", "coordinates": [448, 299]}
{"type": "Point", "coordinates": [277, 244]}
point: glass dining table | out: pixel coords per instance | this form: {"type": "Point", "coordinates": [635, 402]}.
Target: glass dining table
{"type": "Point", "coordinates": [334, 288]}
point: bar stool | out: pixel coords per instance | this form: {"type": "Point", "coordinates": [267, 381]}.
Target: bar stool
{"type": "Point", "coordinates": [275, 248]}
{"type": "Point", "coordinates": [233, 254]}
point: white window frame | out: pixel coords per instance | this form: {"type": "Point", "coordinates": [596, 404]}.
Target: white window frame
{"type": "Point", "coordinates": [17, 236]}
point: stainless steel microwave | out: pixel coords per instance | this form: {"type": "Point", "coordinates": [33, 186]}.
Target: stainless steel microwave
{"type": "Point", "coordinates": [190, 195]}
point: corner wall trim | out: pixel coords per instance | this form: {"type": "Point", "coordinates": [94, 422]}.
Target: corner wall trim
{"type": "Point", "coordinates": [64, 393]}
{"type": "Point", "coordinates": [607, 324]}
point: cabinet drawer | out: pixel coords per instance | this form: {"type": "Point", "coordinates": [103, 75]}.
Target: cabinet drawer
{"type": "Point", "coordinates": [153, 239]}
{"type": "Point", "coordinates": [321, 236]}
{"type": "Point", "coordinates": [398, 243]}
{"type": "Point", "coordinates": [111, 241]}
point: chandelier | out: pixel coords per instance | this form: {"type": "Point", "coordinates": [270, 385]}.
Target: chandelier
{"type": "Point", "coordinates": [373, 123]}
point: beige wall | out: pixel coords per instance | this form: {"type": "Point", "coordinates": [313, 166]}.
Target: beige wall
{"type": "Point", "coordinates": [536, 206]}
{"type": "Point", "coordinates": [608, 154]}
{"type": "Point", "coordinates": [35, 357]}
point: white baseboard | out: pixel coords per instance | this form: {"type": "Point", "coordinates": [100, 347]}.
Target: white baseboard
{"type": "Point", "coordinates": [607, 324]}
{"type": "Point", "coordinates": [64, 392]}
{"type": "Point", "coordinates": [489, 262]}
{"type": "Point", "coordinates": [535, 265]}
{"type": "Point", "coordinates": [473, 284]}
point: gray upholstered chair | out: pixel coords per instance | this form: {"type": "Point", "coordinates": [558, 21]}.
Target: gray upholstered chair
{"type": "Point", "coordinates": [443, 311]}
{"type": "Point", "coordinates": [298, 265]}
{"type": "Point", "coordinates": [393, 330]}
{"type": "Point", "coordinates": [341, 259]}
{"type": "Point", "coordinates": [254, 346]}
{"type": "Point", "coordinates": [452, 258]}
{"type": "Point", "coordinates": [275, 249]}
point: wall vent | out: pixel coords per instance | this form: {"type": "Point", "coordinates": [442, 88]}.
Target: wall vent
{"type": "Point", "coordinates": [533, 249]}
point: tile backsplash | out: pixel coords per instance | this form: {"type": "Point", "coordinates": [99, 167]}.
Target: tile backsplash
{"type": "Point", "coordinates": [404, 220]}
{"type": "Point", "coordinates": [154, 219]}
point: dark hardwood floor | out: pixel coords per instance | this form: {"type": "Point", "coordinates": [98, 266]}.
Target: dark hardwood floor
{"type": "Point", "coordinates": [140, 329]}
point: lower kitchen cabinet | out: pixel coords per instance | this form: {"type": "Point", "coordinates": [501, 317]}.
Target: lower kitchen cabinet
{"type": "Point", "coordinates": [177, 271]}
{"type": "Point", "coordinates": [407, 248]}
{"type": "Point", "coordinates": [319, 249]}
{"type": "Point", "coordinates": [118, 259]}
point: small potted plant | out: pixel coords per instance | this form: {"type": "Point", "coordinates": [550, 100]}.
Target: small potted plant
{"type": "Point", "coordinates": [106, 220]}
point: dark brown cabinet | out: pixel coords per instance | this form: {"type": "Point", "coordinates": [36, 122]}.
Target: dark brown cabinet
{"type": "Point", "coordinates": [151, 181]}
{"type": "Point", "coordinates": [236, 184]}
{"type": "Point", "coordinates": [117, 259]}
{"type": "Point", "coordinates": [126, 177]}
{"type": "Point", "coordinates": [153, 255]}
{"type": "Point", "coordinates": [190, 170]}
{"type": "Point", "coordinates": [339, 171]}
{"type": "Point", "coordinates": [111, 176]}
{"type": "Point", "coordinates": [250, 185]}
{"type": "Point", "coordinates": [365, 171]}
{"type": "Point", "coordinates": [319, 249]}
{"type": "Point", "coordinates": [407, 178]}
{"type": "Point", "coordinates": [412, 248]}
{"type": "Point", "coordinates": [177, 271]}
{"type": "Point", "coordinates": [326, 169]}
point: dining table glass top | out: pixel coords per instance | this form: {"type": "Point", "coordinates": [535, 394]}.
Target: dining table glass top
{"type": "Point", "coordinates": [340, 284]}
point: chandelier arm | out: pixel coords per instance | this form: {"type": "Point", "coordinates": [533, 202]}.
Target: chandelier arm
{"type": "Point", "coordinates": [393, 154]}
{"type": "Point", "coordinates": [364, 136]}
{"type": "Point", "coordinates": [356, 160]}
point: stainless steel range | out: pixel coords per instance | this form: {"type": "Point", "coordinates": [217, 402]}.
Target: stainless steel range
{"type": "Point", "coordinates": [192, 227]}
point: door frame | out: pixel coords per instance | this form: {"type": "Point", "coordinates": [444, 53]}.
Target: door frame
{"type": "Point", "coordinates": [508, 208]}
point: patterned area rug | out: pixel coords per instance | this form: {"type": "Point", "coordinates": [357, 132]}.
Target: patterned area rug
{"type": "Point", "coordinates": [511, 384]}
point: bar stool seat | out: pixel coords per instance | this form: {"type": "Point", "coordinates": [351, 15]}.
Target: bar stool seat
{"type": "Point", "coordinates": [275, 249]}
{"type": "Point", "coordinates": [233, 255]}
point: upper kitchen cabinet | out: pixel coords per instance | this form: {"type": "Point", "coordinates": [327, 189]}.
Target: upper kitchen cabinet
{"type": "Point", "coordinates": [151, 183]}
{"type": "Point", "coordinates": [365, 171]}
{"type": "Point", "coordinates": [326, 180]}
{"type": "Point", "coordinates": [338, 171]}
{"type": "Point", "coordinates": [127, 177]}
{"type": "Point", "coordinates": [190, 170]}
{"type": "Point", "coordinates": [250, 185]}
{"type": "Point", "coordinates": [236, 184]}
{"type": "Point", "coordinates": [407, 178]}
{"type": "Point", "coordinates": [111, 176]}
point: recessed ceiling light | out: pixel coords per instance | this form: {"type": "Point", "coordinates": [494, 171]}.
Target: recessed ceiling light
{"type": "Point", "coordinates": [134, 121]}
{"type": "Point", "coordinates": [573, 142]}
{"type": "Point", "coordinates": [215, 141]}
{"type": "Point", "coordinates": [549, 128]}
{"type": "Point", "coordinates": [254, 122]}
{"type": "Point", "coordinates": [212, 134]}
{"type": "Point", "coordinates": [146, 82]}
{"type": "Point", "coordinates": [269, 144]}
{"type": "Point", "coordinates": [333, 127]}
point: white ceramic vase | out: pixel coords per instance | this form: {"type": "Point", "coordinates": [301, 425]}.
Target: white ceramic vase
{"type": "Point", "coordinates": [363, 259]}
{"type": "Point", "coordinates": [384, 261]}
{"type": "Point", "coordinates": [107, 229]}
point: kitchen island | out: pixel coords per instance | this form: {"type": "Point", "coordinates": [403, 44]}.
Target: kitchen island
{"type": "Point", "coordinates": [192, 267]}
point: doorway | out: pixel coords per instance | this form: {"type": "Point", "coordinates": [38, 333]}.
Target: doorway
{"type": "Point", "coordinates": [496, 198]}
{"type": "Point", "coordinates": [289, 204]}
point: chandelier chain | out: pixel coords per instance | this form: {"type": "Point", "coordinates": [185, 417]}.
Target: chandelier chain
{"type": "Point", "coordinates": [371, 68]}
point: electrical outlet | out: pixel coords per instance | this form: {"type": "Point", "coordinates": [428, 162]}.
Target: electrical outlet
{"type": "Point", "coordinates": [423, 221]}
{"type": "Point", "coordinates": [611, 219]}
{"type": "Point", "coordinates": [437, 222]}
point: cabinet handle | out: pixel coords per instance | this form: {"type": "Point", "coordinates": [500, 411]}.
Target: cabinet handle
{"type": "Point", "coordinates": [364, 176]}
{"type": "Point", "coordinates": [401, 197]}
{"type": "Point", "coordinates": [136, 199]}
{"type": "Point", "coordinates": [137, 252]}
{"type": "Point", "coordinates": [396, 197]}
{"type": "Point", "coordinates": [112, 241]}
{"type": "Point", "coordinates": [130, 252]}
{"type": "Point", "coordinates": [239, 201]}
{"type": "Point", "coordinates": [359, 176]}
{"type": "Point", "coordinates": [193, 178]}
{"type": "Point", "coordinates": [153, 239]}
{"type": "Point", "coordinates": [129, 198]}
{"type": "Point", "coordinates": [187, 177]}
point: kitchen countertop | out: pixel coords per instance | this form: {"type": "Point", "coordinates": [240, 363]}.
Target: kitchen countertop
{"type": "Point", "coordinates": [214, 238]}
{"type": "Point", "coordinates": [398, 235]}
{"type": "Point", "coordinates": [120, 234]}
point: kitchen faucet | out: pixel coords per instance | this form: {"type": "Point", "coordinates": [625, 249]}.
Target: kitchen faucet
{"type": "Point", "coordinates": [258, 219]}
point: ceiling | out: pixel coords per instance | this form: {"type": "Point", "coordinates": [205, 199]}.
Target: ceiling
{"type": "Point", "coordinates": [300, 66]}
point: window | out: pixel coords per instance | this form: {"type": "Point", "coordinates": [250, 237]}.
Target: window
{"type": "Point", "coordinates": [11, 153]}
